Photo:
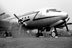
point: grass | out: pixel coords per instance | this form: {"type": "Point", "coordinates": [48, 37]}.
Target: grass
{"type": "Point", "coordinates": [16, 31]}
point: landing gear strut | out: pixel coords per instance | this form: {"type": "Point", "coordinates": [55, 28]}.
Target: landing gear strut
{"type": "Point", "coordinates": [54, 33]}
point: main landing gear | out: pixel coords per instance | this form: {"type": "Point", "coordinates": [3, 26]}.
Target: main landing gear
{"type": "Point", "coordinates": [39, 33]}
{"type": "Point", "coordinates": [53, 33]}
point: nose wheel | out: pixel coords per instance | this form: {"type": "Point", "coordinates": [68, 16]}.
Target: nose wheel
{"type": "Point", "coordinates": [54, 33]}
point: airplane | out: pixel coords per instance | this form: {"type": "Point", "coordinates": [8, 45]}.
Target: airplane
{"type": "Point", "coordinates": [48, 19]}
{"type": "Point", "coordinates": [4, 25]}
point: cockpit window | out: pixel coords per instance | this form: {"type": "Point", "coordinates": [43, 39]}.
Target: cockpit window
{"type": "Point", "coordinates": [54, 10]}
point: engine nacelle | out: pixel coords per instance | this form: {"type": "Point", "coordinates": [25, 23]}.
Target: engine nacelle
{"type": "Point", "coordinates": [57, 23]}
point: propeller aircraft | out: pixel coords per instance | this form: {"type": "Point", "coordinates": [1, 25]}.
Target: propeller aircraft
{"type": "Point", "coordinates": [48, 19]}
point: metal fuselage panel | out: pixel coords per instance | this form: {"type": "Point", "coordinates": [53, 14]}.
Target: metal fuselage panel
{"type": "Point", "coordinates": [42, 22]}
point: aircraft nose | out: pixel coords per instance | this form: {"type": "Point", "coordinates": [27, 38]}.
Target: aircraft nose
{"type": "Point", "coordinates": [64, 15]}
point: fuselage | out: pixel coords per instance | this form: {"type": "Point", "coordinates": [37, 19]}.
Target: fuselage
{"type": "Point", "coordinates": [44, 19]}
{"type": "Point", "coordinates": [40, 19]}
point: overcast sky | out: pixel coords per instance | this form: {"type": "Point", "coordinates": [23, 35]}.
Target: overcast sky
{"type": "Point", "coordinates": [23, 6]}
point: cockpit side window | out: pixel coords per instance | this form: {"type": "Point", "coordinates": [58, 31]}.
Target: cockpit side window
{"type": "Point", "coordinates": [54, 10]}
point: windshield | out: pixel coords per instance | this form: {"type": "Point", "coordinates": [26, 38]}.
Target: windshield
{"type": "Point", "coordinates": [54, 10]}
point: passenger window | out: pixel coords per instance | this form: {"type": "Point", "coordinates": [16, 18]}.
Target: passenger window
{"type": "Point", "coordinates": [26, 17]}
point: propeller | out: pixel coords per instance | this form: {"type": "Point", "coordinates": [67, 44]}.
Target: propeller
{"type": "Point", "coordinates": [61, 26]}
{"type": "Point", "coordinates": [16, 16]}
{"type": "Point", "coordinates": [65, 21]}
{"type": "Point", "coordinates": [65, 24]}
{"type": "Point", "coordinates": [20, 21]}
{"type": "Point", "coordinates": [69, 23]}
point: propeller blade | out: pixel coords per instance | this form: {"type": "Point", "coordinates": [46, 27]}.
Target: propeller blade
{"type": "Point", "coordinates": [67, 19]}
{"type": "Point", "coordinates": [69, 23]}
{"type": "Point", "coordinates": [61, 26]}
{"type": "Point", "coordinates": [16, 16]}
{"type": "Point", "coordinates": [20, 21]}
{"type": "Point", "coordinates": [66, 25]}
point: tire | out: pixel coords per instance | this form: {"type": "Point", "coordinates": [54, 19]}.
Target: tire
{"type": "Point", "coordinates": [37, 35]}
{"type": "Point", "coordinates": [53, 34]}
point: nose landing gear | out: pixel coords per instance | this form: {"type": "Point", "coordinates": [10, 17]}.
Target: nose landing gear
{"type": "Point", "coordinates": [54, 33]}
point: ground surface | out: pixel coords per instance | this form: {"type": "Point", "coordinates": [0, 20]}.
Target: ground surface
{"type": "Point", "coordinates": [32, 42]}
{"type": "Point", "coordinates": [23, 40]}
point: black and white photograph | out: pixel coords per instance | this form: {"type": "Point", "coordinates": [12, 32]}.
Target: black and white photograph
{"type": "Point", "coordinates": [35, 24]}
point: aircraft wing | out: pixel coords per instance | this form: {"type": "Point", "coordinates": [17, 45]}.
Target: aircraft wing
{"type": "Point", "coordinates": [4, 15]}
{"type": "Point", "coordinates": [61, 26]}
